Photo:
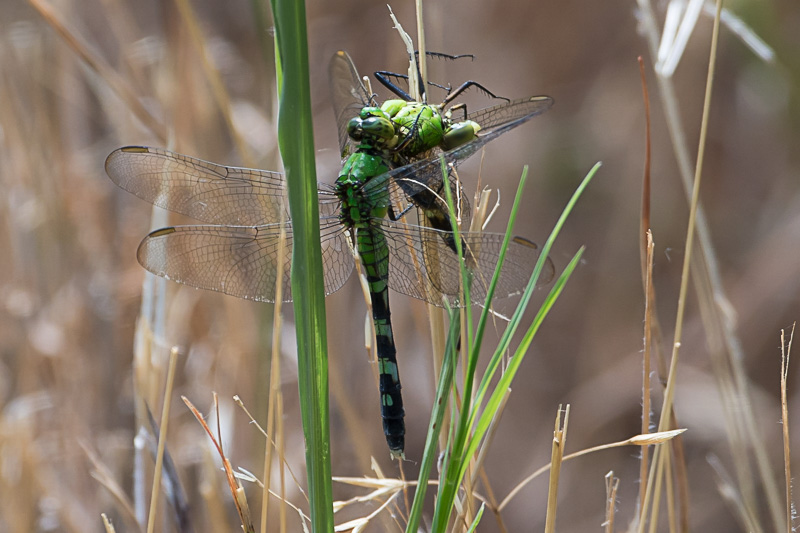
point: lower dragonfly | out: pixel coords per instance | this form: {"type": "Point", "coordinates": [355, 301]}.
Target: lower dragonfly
{"type": "Point", "coordinates": [237, 252]}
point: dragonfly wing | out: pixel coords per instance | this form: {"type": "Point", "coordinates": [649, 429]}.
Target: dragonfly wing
{"type": "Point", "coordinates": [206, 191]}
{"type": "Point", "coordinates": [423, 265]}
{"type": "Point", "coordinates": [483, 250]}
{"type": "Point", "coordinates": [500, 118]}
{"type": "Point", "coordinates": [348, 95]}
{"type": "Point", "coordinates": [240, 261]}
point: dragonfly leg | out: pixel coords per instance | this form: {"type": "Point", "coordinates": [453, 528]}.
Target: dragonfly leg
{"type": "Point", "coordinates": [386, 77]}
{"type": "Point", "coordinates": [394, 217]}
{"type": "Point", "coordinates": [462, 106]}
{"type": "Point", "coordinates": [466, 85]}
{"type": "Point", "coordinates": [440, 55]}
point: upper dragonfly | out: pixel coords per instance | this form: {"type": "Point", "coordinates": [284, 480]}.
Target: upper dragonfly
{"type": "Point", "coordinates": [410, 131]}
{"type": "Point", "coordinates": [237, 253]}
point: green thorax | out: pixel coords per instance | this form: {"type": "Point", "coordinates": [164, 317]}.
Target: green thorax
{"type": "Point", "coordinates": [420, 127]}
{"type": "Point", "coordinates": [403, 130]}
{"type": "Point", "coordinates": [359, 207]}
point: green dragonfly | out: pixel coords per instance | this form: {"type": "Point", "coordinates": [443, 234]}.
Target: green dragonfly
{"type": "Point", "coordinates": [238, 250]}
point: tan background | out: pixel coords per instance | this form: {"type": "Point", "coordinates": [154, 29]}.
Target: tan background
{"type": "Point", "coordinates": [70, 285]}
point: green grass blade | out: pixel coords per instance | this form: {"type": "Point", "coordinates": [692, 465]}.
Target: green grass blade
{"type": "Point", "coordinates": [508, 333]}
{"type": "Point", "coordinates": [504, 382]}
{"type": "Point", "coordinates": [296, 140]}
{"type": "Point", "coordinates": [476, 421]}
{"type": "Point", "coordinates": [474, 346]}
{"type": "Point", "coordinates": [481, 327]}
{"type": "Point", "coordinates": [443, 388]}
{"type": "Point", "coordinates": [461, 434]}
{"type": "Point", "coordinates": [466, 276]}
{"type": "Point", "coordinates": [477, 520]}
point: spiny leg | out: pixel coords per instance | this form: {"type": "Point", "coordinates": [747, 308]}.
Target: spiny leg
{"type": "Point", "coordinates": [466, 85]}
{"type": "Point", "coordinates": [384, 76]}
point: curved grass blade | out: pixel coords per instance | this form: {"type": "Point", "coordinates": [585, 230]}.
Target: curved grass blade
{"type": "Point", "coordinates": [443, 388]}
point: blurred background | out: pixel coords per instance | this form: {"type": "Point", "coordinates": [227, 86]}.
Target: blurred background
{"type": "Point", "coordinates": [71, 288]}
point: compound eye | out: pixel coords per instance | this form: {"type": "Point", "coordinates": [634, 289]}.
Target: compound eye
{"type": "Point", "coordinates": [354, 129]}
{"type": "Point", "coordinates": [368, 112]}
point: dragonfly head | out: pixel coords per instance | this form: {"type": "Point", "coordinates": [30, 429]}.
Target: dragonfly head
{"type": "Point", "coordinates": [372, 126]}
{"type": "Point", "coordinates": [460, 133]}
{"type": "Point", "coordinates": [373, 130]}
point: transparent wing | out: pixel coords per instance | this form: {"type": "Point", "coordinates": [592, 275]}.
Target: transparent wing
{"type": "Point", "coordinates": [240, 261]}
{"type": "Point", "coordinates": [423, 265]}
{"type": "Point", "coordinates": [348, 95]}
{"type": "Point", "coordinates": [510, 114]}
{"type": "Point", "coordinates": [420, 179]}
{"type": "Point", "coordinates": [208, 192]}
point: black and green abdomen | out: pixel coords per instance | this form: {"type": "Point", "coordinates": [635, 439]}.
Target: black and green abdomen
{"type": "Point", "coordinates": [374, 253]}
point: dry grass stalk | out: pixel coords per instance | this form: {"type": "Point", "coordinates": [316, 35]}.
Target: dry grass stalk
{"type": "Point", "coordinates": [638, 440]}
{"type": "Point", "coordinates": [725, 346]}
{"type": "Point", "coordinates": [218, 89]}
{"type": "Point", "coordinates": [731, 494]}
{"type": "Point", "coordinates": [99, 66]}
{"type": "Point", "coordinates": [666, 410]}
{"type": "Point", "coordinates": [646, 253]}
{"type": "Point", "coordinates": [239, 497]}
{"type": "Point", "coordinates": [275, 395]}
{"type": "Point", "coordinates": [646, 388]}
{"type": "Point", "coordinates": [556, 458]}
{"type": "Point", "coordinates": [162, 440]}
{"type": "Point", "coordinates": [109, 527]}
{"type": "Point", "coordinates": [275, 444]}
{"type": "Point", "coordinates": [786, 349]}
{"type": "Point", "coordinates": [612, 485]}
{"type": "Point", "coordinates": [105, 477]}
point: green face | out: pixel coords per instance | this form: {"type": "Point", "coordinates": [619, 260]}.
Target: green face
{"type": "Point", "coordinates": [372, 128]}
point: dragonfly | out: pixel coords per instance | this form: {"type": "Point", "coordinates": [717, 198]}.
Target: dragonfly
{"type": "Point", "coordinates": [247, 227]}
{"type": "Point", "coordinates": [423, 126]}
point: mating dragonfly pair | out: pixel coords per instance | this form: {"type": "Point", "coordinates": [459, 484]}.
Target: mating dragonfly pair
{"type": "Point", "coordinates": [392, 157]}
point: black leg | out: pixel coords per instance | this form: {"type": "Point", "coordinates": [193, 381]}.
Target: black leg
{"type": "Point", "coordinates": [468, 84]}
{"type": "Point", "coordinates": [386, 77]}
